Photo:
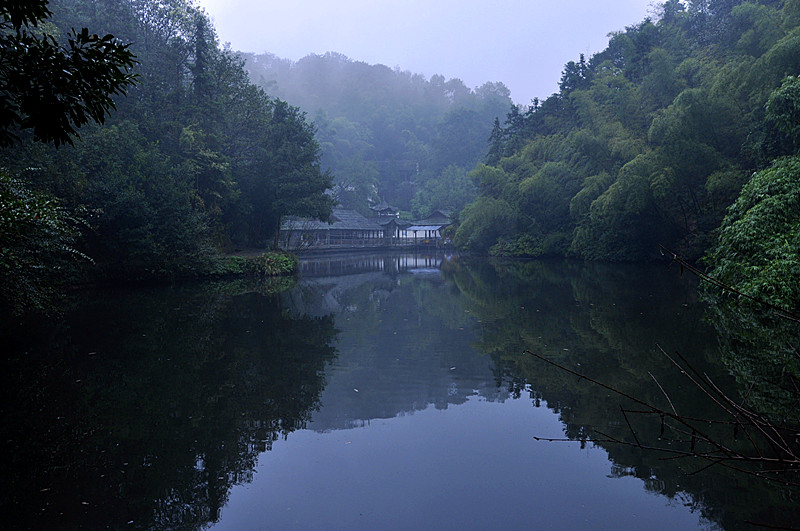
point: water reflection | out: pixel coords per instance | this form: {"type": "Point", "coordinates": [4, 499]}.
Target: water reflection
{"type": "Point", "coordinates": [327, 265]}
{"type": "Point", "coordinates": [605, 322]}
{"type": "Point", "coordinates": [405, 342]}
{"type": "Point", "coordinates": [372, 384]}
{"type": "Point", "coordinates": [759, 346]}
{"type": "Point", "coordinates": [142, 408]}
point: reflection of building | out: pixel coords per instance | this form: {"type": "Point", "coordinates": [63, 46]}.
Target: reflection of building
{"type": "Point", "coordinates": [350, 230]}
{"type": "Point", "coordinates": [396, 315]}
{"type": "Point", "coordinates": [356, 263]}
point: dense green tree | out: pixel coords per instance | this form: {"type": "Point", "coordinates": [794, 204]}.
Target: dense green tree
{"type": "Point", "coordinates": [52, 89]}
{"type": "Point", "coordinates": [37, 246]}
{"type": "Point", "coordinates": [195, 160]}
{"type": "Point", "coordinates": [384, 132]}
{"type": "Point", "coordinates": [652, 137]}
{"type": "Point", "coordinates": [146, 221]}
{"type": "Point", "coordinates": [486, 221]}
{"type": "Point", "coordinates": [55, 88]}
{"type": "Point", "coordinates": [450, 190]}
{"type": "Point", "coordinates": [758, 251]}
{"type": "Point", "coordinates": [783, 108]}
{"type": "Point", "coordinates": [290, 180]}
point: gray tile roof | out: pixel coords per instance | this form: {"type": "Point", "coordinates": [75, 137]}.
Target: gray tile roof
{"type": "Point", "coordinates": [418, 228]}
{"type": "Point", "coordinates": [341, 219]}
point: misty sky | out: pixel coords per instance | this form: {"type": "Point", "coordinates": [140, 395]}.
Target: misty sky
{"type": "Point", "coordinates": [523, 43]}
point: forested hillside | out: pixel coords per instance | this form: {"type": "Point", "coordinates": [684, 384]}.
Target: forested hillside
{"type": "Point", "coordinates": [193, 160]}
{"type": "Point", "coordinates": [388, 134]}
{"type": "Point", "coordinates": [647, 142]}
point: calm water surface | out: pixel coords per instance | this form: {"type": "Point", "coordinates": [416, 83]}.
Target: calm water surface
{"type": "Point", "coordinates": [376, 392]}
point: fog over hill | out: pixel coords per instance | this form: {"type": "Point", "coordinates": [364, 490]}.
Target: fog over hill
{"type": "Point", "coordinates": [522, 44]}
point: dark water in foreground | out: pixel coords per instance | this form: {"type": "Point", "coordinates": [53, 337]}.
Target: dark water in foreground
{"type": "Point", "coordinates": [375, 393]}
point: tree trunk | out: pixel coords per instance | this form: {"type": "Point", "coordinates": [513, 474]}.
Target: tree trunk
{"type": "Point", "coordinates": [277, 232]}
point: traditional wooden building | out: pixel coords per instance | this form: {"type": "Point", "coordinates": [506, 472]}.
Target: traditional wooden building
{"type": "Point", "coordinates": [388, 217]}
{"type": "Point", "coordinates": [350, 230]}
{"type": "Point", "coordinates": [347, 228]}
{"type": "Point", "coordinates": [384, 211]}
{"type": "Point", "coordinates": [393, 230]}
{"type": "Point", "coordinates": [428, 231]}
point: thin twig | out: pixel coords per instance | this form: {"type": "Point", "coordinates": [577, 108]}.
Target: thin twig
{"type": "Point", "coordinates": [633, 432]}
{"type": "Point", "coordinates": [665, 393]}
{"type": "Point", "coordinates": [655, 409]}
{"type": "Point", "coordinates": [721, 454]}
{"type": "Point", "coordinates": [782, 312]}
{"type": "Point", "coordinates": [716, 399]}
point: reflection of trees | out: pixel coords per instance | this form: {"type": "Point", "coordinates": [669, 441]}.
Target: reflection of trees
{"type": "Point", "coordinates": [760, 350]}
{"type": "Point", "coordinates": [606, 322]}
{"type": "Point", "coordinates": [405, 344]}
{"type": "Point", "coordinates": [146, 407]}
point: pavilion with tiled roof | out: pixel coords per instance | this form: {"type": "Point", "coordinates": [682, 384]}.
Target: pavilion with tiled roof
{"type": "Point", "coordinates": [347, 228]}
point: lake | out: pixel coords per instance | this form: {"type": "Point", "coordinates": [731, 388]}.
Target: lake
{"type": "Point", "coordinates": [395, 391]}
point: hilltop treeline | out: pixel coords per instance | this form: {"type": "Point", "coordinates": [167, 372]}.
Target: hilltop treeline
{"type": "Point", "coordinates": [194, 160]}
{"type": "Point", "coordinates": [388, 134]}
{"type": "Point", "coordinates": [647, 142]}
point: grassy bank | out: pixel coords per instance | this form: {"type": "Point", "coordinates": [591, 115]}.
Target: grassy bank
{"type": "Point", "coordinates": [267, 264]}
